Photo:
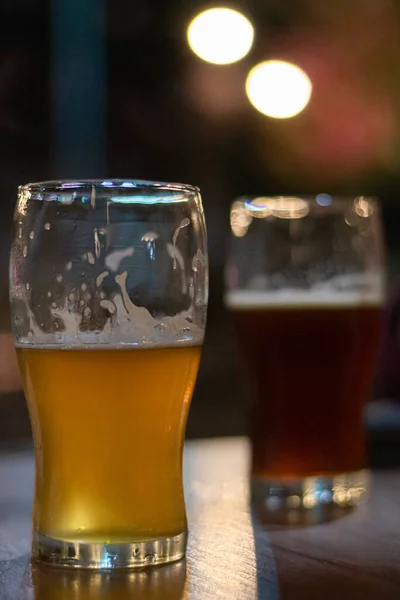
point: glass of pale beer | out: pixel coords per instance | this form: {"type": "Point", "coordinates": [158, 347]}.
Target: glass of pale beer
{"type": "Point", "coordinates": [305, 286]}
{"type": "Point", "coordinates": [109, 296]}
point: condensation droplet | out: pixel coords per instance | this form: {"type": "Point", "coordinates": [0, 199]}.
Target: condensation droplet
{"type": "Point", "coordinates": [81, 303]}
{"type": "Point", "coordinates": [150, 558]}
{"type": "Point", "coordinates": [90, 258]}
{"type": "Point", "coordinates": [136, 552]}
{"type": "Point", "coordinates": [87, 296]}
{"type": "Point", "coordinates": [59, 278]}
{"type": "Point", "coordinates": [47, 226]}
{"type": "Point", "coordinates": [68, 266]}
{"type": "Point", "coordinates": [49, 294]}
{"type": "Point", "coordinates": [86, 312]}
{"type": "Point", "coordinates": [53, 305]}
{"type": "Point", "coordinates": [30, 336]}
{"type": "Point", "coordinates": [59, 336]}
{"type": "Point", "coordinates": [25, 251]}
{"type": "Point", "coordinates": [32, 235]}
{"type": "Point", "coordinates": [83, 287]}
{"type": "Point", "coordinates": [71, 297]}
{"type": "Point", "coordinates": [102, 295]}
{"type": "Point", "coordinates": [28, 286]}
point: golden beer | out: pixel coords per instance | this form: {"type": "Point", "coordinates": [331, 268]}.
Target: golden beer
{"type": "Point", "coordinates": [109, 428]}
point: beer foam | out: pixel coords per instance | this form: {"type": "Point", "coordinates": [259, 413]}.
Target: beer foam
{"type": "Point", "coordinates": [295, 298]}
{"type": "Point", "coordinates": [127, 326]}
{"type": "Point", "coordinates": [119, 332]}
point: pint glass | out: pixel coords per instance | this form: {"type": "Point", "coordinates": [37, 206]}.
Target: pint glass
{"type": "Point", "coordinates": [109, 295]}
{"type": "Point", "coordinates": [305, 290]}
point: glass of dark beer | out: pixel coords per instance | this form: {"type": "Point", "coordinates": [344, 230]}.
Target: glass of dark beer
{"type": "Point", "coordinates": [304, 283]}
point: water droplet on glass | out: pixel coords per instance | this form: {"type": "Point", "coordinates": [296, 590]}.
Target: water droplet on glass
{"type": "Point", "coordinates": [28, 286]}
{"type": "Point", "coordinates": [32, 235]}
{"type": "Point", "coordinates": [25, 251]}
{"type": "Point", "coordinates": [81, 303]}
{"type": "Point", "coordinates": [59, 336]}
{"type": "Point", "coordinates": [59, 278]}
{"type": "Point", "coordinates": [71, 297]}
{"type": "Point", "coordinates": [30, 336]}
{"type": "Point", "coordinates": [83, 287]}
{"type": "Point", "coordinates": [90, 258]}
{"type": "Point", "coordinates": [47, 226]}
{"type": "Point", "coordinates": [86, 312]}
{"type": "Point", "coordinates": [102, 295]}
{"type": "Point", "coordinates": [49, 294]}
{"type": "Point", "coordinates": [136, 552]}
{"type": "Point", "coordinates": [53, 305]}
{"type": "Point", "coordinates": [68, 266]}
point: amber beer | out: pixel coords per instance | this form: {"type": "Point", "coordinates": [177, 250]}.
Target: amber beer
{"type": "Point", "coordinates": [310, 363]}
{"type": "Point", "coordinates": [108, 429]}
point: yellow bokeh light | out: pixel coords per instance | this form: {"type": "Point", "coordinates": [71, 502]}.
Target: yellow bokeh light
{"type": "Point", "coordinates": [278, 89]}
{"type": "Point", "coordinates": [220, 35]}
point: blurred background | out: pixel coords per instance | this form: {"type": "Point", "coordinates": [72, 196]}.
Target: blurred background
{"type": "Point", "coordinates": [155, 89]}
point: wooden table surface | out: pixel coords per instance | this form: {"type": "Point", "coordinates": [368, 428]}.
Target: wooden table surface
{"type": "Point", "coordinates": [230, 555]}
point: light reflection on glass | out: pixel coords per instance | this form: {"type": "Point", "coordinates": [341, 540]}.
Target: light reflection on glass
{"type": "Point", "coordinates": [288, 208]}
{"type": "Point", "coordinates": [240, 218]}
{"type": "Point", "coordinates": [23, 197]}
{"type": "Point", "coordinates": [363, 207]}
{"type": "Point", "coordinates": [168, 199]}
{"type": "Point", "coordinates": [259, 207]}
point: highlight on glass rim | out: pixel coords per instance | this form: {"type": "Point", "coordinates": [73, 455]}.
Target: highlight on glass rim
{"type": "Point", "coordinates": [200, 298]}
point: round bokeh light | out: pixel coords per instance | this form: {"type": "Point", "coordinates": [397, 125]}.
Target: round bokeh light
{"type": "Point", "coordinates": [220, 35]}
{"type": "Point", "coordinates": [278, 89]}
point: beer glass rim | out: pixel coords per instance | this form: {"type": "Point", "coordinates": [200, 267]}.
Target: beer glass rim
{"type": "Point", "coordinates": [109, 183]}
{"type": "Point", "coordinates": [323, 199]}
{"type": "Point", "coordinates": [291, 206]}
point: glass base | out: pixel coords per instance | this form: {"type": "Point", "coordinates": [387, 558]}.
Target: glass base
{"type": "Point", "coordinates": [108, 556]}
{"type": "Point", "coordinates": [308, 500]}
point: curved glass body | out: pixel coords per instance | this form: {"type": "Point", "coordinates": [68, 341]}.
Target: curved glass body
{"type": "Point", "coordinates": [305, 289]}
{"type": "Point", "coordinates": [109, 297]}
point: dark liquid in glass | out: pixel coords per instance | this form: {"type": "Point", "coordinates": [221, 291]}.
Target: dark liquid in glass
{"type": "Point", "coordinates": [310, 370]}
